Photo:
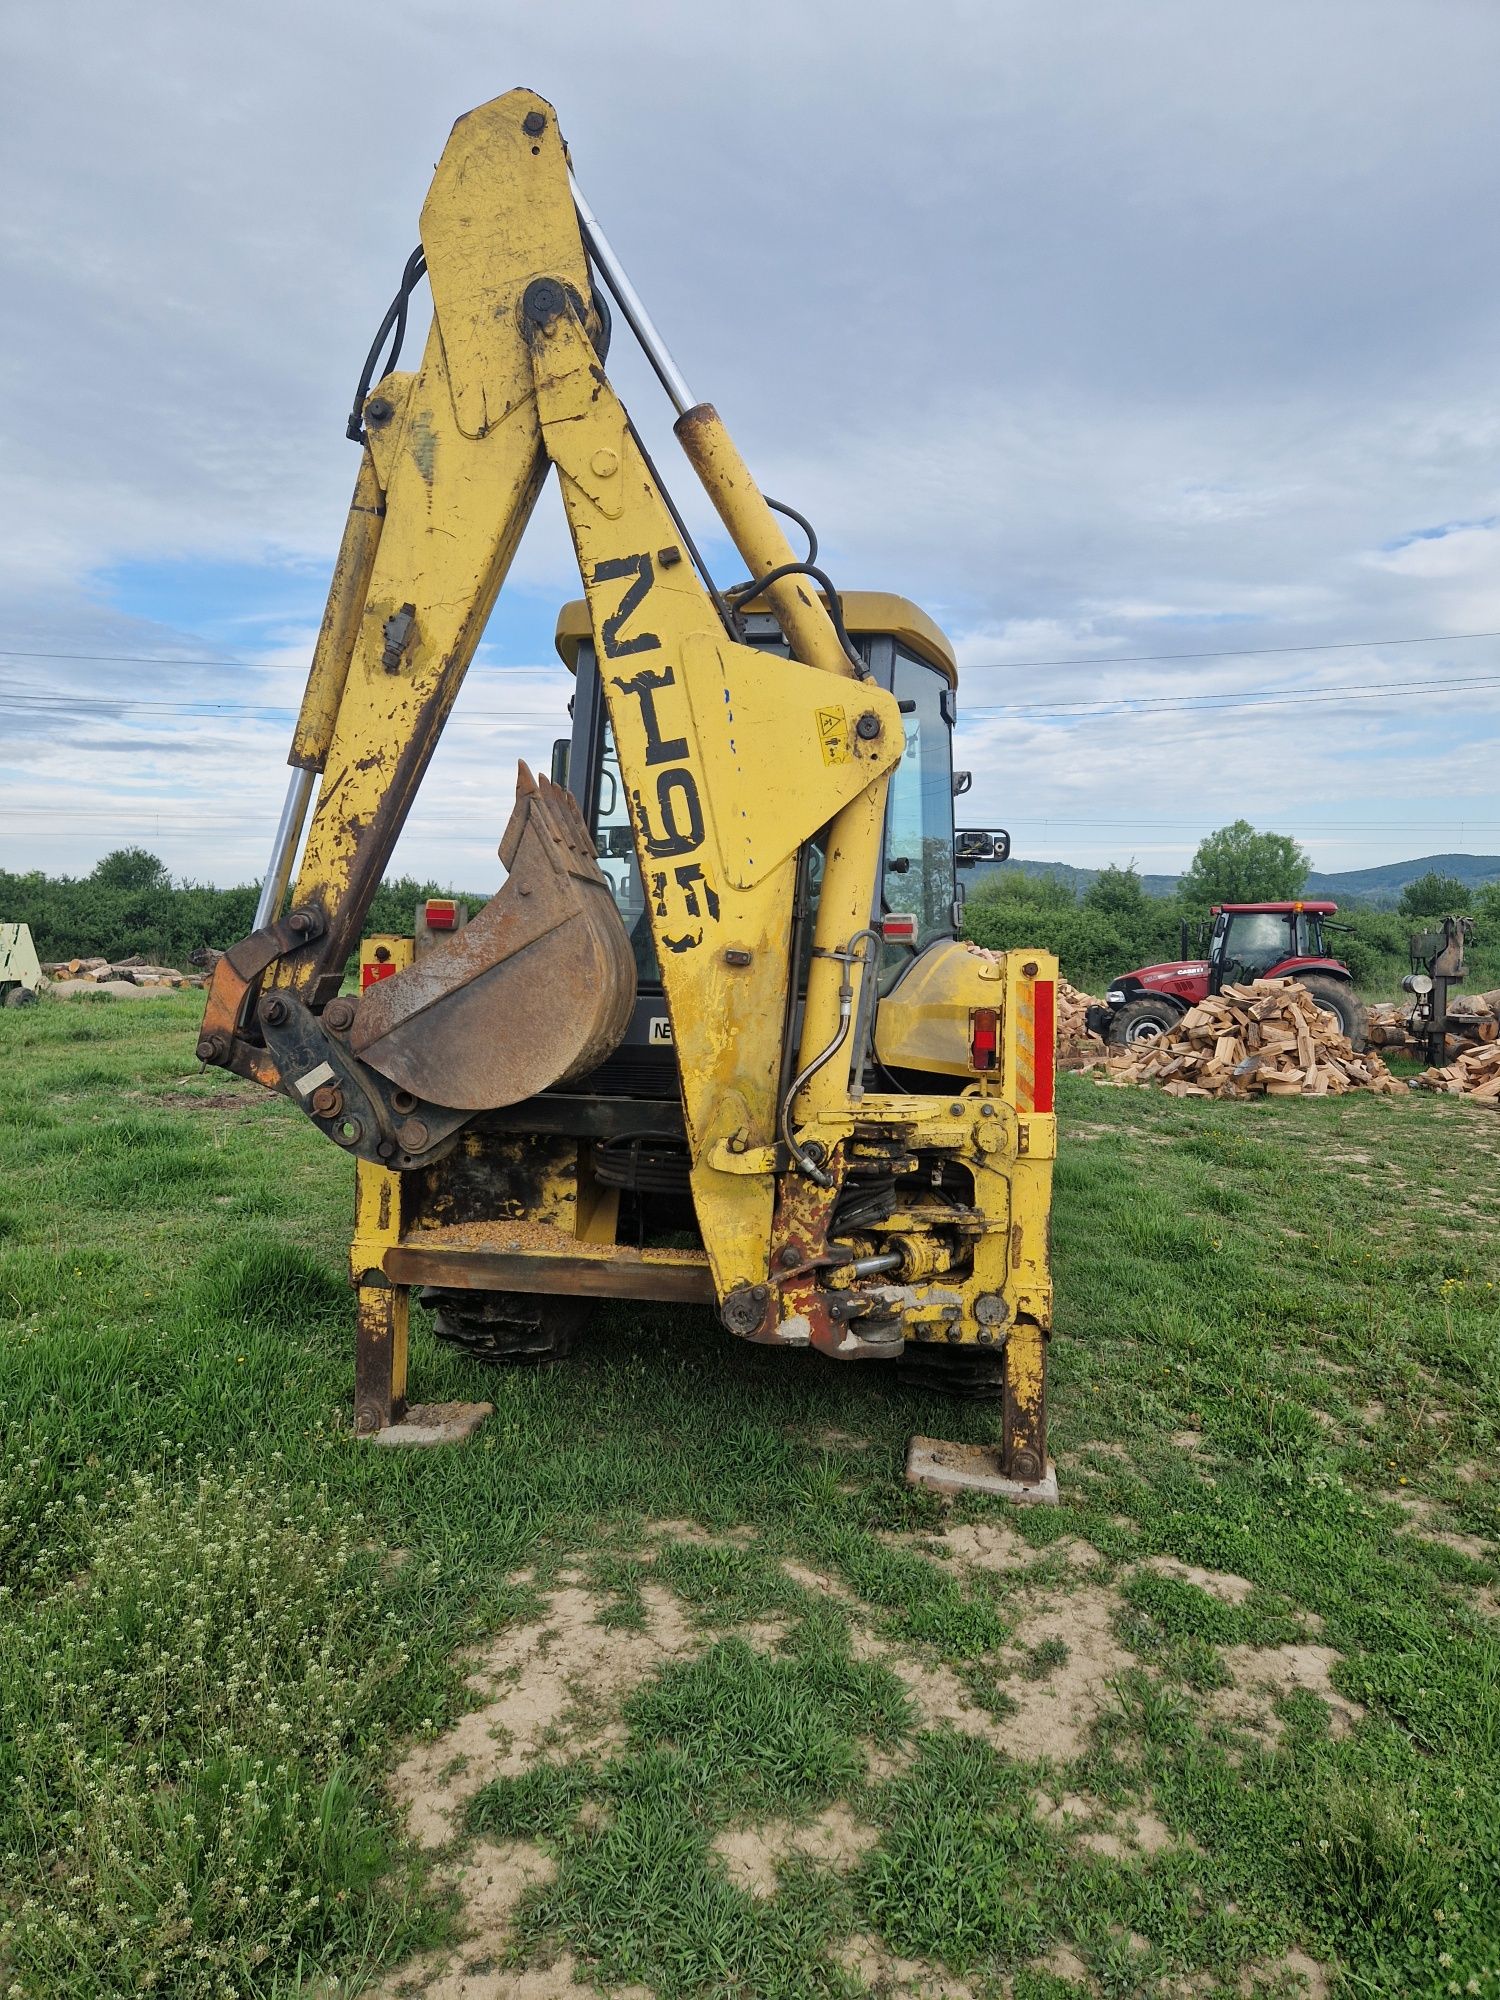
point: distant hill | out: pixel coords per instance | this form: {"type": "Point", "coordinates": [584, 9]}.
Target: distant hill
{"type": "Point", "coordinates": [1381, 887]}
{"type": "Point", "coordinates": [1377, 888]}
{"type": "Point", "coordinates": [1078, 879]}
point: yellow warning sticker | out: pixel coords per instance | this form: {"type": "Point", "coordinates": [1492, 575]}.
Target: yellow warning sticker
{"type": "Point", "coordinates": [833, 733]}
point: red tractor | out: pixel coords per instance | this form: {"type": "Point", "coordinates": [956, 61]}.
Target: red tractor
{"type": "Point", "coordinates": [1246, 941]}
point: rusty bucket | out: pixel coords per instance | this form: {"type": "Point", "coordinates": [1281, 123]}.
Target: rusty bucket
{"type": "Point", "coordinates": [535, 990]}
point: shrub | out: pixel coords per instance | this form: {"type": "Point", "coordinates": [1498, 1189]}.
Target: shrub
{"type": "Point", "coordinates": [130, 904]}
{"type": "Point", "coordinates": [180, 1813]}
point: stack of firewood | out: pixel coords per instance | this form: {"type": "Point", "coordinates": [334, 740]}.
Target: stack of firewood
{"type": "Point", "coordinates": [1473, 1021]}
{"type": "Point", "coordinates": [1385, 1024]}
{"type": "Point", "coordinates": [1475, 1073]}
{"type": "Point", "coordinates": [1264, 1037]}
{"type": "Point", "coordinates": [1073, 1039]}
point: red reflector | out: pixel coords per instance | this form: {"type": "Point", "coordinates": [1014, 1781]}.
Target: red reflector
{"type": "Point", "coordinates": [368, 974]}
{"type": "Point", "coordinates": [1046, 1044]}
{"type": "Point", "coordinates": [984, 1037]}
{"type": "Point", "coordinates": [441, 914]}
{"type": "Point", "coordinates": [898, 929]}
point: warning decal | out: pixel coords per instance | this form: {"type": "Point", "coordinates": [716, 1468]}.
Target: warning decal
{"type": "Point", "coordinates": [833, 734]}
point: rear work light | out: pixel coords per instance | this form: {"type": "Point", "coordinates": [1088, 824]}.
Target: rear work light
{"type": "Point", "coordinates": [381, 966]}
{"type": "Point", "coordinates": [441, 913]}
{"type": "Point", "coordinates": [984, 1038]}
{"type": "Point", "coordinates": [899, 929]}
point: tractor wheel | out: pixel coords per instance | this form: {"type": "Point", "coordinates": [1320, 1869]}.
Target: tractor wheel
{"type": "Point", "coordinates": [20, 996]}
{"type": "Point", "coordinates": [1143, 1020]}
{"type": "Point", "coordinates": [506, 1329]}
{"type": "Point", "coordinates": [1335, 998]}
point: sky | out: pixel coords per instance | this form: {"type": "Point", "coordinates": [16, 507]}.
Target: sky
{"type": "Point", "coordinates": [1153, 348]}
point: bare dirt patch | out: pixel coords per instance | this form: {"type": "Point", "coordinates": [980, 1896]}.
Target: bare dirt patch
{"type": "Point", "coordinates": [817, 1582]}
{"type": "Point", "coordinates": [752, 1854]}
{"type": "Point", "coordinates": [939, 1696]}
{"type": "Point", "coordinates": [1428, 1521]}
{"type": "Point", "coordinates": [894, 1978]}
{"type": "Point", "coordinates": [490, 1883]}
{"type": "Point", "coordinates": [836, 1440]}
{"type": "Point", "coordinates": [1122, 1835]}
{"type": "Point", "coordinates": [1054, 1717]}
{"type": "Point", "coordinates": [1227, 1588]}
{"type": "Point", "coordinates": [1295, 1973]}
{"type": "Point", "coordinates": [481, 1979]}
{"type": "Point", "coordinates": [1064, 1963]}
{"type": "Point", "coordinates": [1262, 1674]}
{"type": "Point", "coordinates": [552, 1687]}
{"type": "Point", "coordinates": [1189, 1441]}
{"type": "Point", "coordinates": [699, 1536]}
{"type": "Point", "coordinates": [1068, 1809]}
{"type": "Point", "coordinates": [991, 1545]}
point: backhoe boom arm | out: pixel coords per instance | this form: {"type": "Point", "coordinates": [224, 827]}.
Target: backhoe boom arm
{"type": "Point", "coordinates": [732, 758]}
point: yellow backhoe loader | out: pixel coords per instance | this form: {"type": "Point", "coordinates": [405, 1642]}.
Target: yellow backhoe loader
{"type": "Point", "coordinates": [715, 1038]}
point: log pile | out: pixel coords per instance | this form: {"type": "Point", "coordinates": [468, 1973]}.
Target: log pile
{"type": "Point", "coordinates": [1474, 1074]}
{"type": "Point", "coordinates": [1473, 1021]}
{"type": "Point", "coordinates": [1385, 1024]}
{"type": "Point", "coordinates": [133, 971]}
{"type": "Point", "coordinates": [1265, 1037]}
{"type": "Point", "coordinates": [1073, 1039]}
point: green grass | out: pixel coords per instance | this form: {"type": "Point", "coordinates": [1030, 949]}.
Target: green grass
{"type": "Point", "coordinates": [223, 1620]}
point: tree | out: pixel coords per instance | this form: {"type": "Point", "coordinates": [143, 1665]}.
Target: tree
{"type": "Point", "coordinates": [1048, 891]}
{"type": "Point", "coordinates": [1487, 910]}
{"type": "Point", "coordinates": [1239, 865]}
{"type": "Point", "coordinates": [1434, 895]}
{"type": "Point", "coordinates": [1116, 892]}
{"type": "Point", "coordinates": [132, 869]}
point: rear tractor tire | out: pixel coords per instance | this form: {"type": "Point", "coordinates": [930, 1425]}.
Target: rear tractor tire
{"type": "Point", "coordinates": [19, 996]}
{"type": "Point", "coordinates": [506, 1329]}
{"type": "Point", "coordinates": [1143, 1020]}
{"type": "Point", "coordinates": [1335, 998]}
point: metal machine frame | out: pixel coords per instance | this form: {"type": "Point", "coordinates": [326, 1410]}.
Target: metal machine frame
{"type": "Point", "coordinates": [461, 1082]}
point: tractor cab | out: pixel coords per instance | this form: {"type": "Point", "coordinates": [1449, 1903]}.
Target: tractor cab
{"type": "Point", "coordinates": [919, 901]}
{"type": "Point", "coordinates": [1255, 940]}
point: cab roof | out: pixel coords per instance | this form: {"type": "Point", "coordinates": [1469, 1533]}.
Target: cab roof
{"type": "Point", "coordinates": [1308, 908]}
{"type": "Point", "coordinates": [865, 611]}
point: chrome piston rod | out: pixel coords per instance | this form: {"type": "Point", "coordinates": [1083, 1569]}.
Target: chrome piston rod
{"type": "Point", "coordinates": [284, 852]}
{"type": "Point", "coordinates": [628, 299]}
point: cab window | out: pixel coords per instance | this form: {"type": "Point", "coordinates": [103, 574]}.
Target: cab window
{"type": "Point", "coordinates": [919, 815]}
{"type": "Point", "coordinates": [615, 846]}
{"type": "Point", "coordinates": [1257, 939]}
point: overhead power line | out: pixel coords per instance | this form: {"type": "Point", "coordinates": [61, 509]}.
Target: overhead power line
{"type": "Point", "coordinates": [1227, 652]}
{"type": "Point", "coordinates": [1100, 708]}
{"type": "Point", "coordinates": [974, 667]}
{"type": "Point", "coordinates": [1104, 708]}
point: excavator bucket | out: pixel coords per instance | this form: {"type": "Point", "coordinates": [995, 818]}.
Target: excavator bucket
{"type": "Point", "coordinates": [535, 990]}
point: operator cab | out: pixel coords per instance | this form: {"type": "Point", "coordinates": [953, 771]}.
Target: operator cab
{"type": "Point", "coordinates": [919, 901]}
{"type": "Point", "coordinates": [1250, 940]}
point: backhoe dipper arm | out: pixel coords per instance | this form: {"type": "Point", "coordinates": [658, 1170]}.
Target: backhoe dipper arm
{"type": "Point", "coordinates": [732, 758]}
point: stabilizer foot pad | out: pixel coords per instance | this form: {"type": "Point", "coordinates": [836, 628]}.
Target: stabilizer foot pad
{"type": "Point", "coordinates": [434, 1423]}
{"type": "Point", "coordinates": [972, 1468]}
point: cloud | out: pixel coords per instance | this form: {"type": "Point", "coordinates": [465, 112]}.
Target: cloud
{"type": "Point", "coordinates": [1101, 331]}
